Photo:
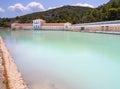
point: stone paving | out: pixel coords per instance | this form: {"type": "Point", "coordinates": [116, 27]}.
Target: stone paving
{"type": "Point", "coordinates": [2, 85]}
{"type": "Point", "coordinates": [14, 77]}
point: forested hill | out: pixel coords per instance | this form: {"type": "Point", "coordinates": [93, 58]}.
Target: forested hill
{"type": "Point", "coordinates": [71, 14]}
{"type": "Point", "coordinates": [114, 1]}
{"type": "Point", "coordinates": [77, 14]}
{"type": "Point", "coordinates": [106, 12]}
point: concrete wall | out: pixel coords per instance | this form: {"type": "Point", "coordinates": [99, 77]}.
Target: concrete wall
{"type": "Point", "coordinates": [42, 27]}
{"type": "Point", "coordinates": [75, 28]}
{"type": "Point", "coordinates": [115, 28]}
{"type": "Point", "coordinates": [88, 28]}
{"type": "Point", "coordinates": [94, 28]}
{"type": "Point", "coordinates": [56, 28]}
{"type": "Point", "coordinates": [23, 27]}
{"type": "Point", "coordinates": [2, 72]}
{"type": "Point", "coordinates": [15, 80]}
{"type": "Point", "coordinates": [52, 27]}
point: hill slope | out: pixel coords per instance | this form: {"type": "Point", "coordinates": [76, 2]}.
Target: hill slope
{"type": "Point", "coordinates": [112, 1]}
{"type": "Point", "coordinates": [71, 14]}
{"type": "Point", "coordinates": [77, 14]}
{"type": "Point", "coordinates": [106, 12]}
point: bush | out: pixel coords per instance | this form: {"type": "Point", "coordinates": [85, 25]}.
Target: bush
{"type": "Point", "coordinates": [13, 29]}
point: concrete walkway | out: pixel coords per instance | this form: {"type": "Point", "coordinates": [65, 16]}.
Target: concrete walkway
{"type": "Point", "coordinates": [2, 85]}
{"type": "Point", "coordinates": [14, 78]}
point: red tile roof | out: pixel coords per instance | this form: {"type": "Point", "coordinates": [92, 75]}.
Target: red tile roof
{"type": "Point", "coordinates": [40, 20]}
{"type": "Point", "coordinates": [44, 24]}
{"type": "Point", "coordinates": [24, 24]}
{"type": "Point", "coordinates": [53, 24]}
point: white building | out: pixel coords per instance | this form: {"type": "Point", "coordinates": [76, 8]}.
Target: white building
{"type": "Point", "coordinates": [39, 24]}
{"type": "Point", "coordinates": [25, 26]}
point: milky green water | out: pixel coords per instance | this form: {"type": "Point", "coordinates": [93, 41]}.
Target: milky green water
{"type": "Point", "coordinates": [66, 60]}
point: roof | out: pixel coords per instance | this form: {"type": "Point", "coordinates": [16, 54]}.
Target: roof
{"type": "Point", "coordinates": [68, 23]}
{"type": "Point", "coordinates": [39, 19]}
{"type": "Point", "coordinates": [53, 24]}
{"type": "Point", "coordinates": [44, 24]}
{"type": "Point", "coordinates": [24, 24]}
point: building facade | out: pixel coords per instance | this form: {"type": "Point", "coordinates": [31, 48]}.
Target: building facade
{"type": "Point", "coordinates": [21, 26]}
{"type": "Point", "coordinates": [105, 26]}
{"type": "Point", "coordinates": [40, 24]}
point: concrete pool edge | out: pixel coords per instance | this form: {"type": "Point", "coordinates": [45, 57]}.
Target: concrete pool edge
{"type": "Point", "coordinates": [12, 75]}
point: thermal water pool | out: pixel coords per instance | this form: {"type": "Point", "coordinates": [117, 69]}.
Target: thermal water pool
{"type": "Point", "coordinates": [66, 60]}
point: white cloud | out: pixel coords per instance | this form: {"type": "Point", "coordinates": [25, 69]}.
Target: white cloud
{"type": "Point", "coordinates": [17, 7]}
{"type": "Point", "coordinates": [2, 10]}
{"type": "Point", "coordinates": [83, 5]}
{"type": "Point", "coordinates": [32, 6]}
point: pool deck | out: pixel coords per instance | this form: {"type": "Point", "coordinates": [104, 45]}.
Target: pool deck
{"type": "Point", "coordinates": [10, 77]}
{"type": "Point", "coordinates": [2, 79]}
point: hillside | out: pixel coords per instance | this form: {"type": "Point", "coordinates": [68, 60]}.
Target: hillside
{"type": "Point", "coordinates": [114, 1]}
{"type": "Point", "coordinates": [71, 14]}
{"type": "Point", "coordinates": [77, 14]}
{"type": "Point", "coordinates": [107, 12]}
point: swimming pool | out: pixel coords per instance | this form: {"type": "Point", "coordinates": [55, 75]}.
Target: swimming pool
{"type": "Point", "coordinates": [66, 60]}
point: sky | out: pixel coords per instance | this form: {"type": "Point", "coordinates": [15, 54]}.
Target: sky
{"type": "Point", "coordinates": [13, 8]}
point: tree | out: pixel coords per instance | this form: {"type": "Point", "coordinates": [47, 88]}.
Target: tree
{"type": "Point", "coordinates": [112, 14]}
{"type": "Point", "coordinates": [115, 4]}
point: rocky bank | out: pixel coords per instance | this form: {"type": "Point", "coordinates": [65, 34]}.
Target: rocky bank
{"type": "Point", "coordinates": [10, 77]}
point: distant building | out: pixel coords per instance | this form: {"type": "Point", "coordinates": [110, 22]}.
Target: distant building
{"type": "Point", "coordinates": [39, 24]}
{"type": "Point", "coordinates": [110, 26]}
{"type": "Point", "coordinates": [21, 26]}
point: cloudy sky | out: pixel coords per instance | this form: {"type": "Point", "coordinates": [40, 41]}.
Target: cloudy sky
{"type": "Point", "coordinates": [13, 8]}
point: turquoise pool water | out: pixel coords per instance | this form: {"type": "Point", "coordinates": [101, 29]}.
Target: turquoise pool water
{"type": "Point", "coordinates": [66, 60]}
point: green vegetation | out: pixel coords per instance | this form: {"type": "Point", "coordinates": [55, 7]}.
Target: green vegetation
{"type": "Point", "coordinates": [73, 14]}
{"type": "Point", "coordinates": [13, 29]}
{"type": "Point", "coordinates": [4, 22]}
{"type": "Point", "coordinates": [106, 12]}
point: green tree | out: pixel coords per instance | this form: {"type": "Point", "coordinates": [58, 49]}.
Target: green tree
{"type": "Point", "coordinates": [112, 14]}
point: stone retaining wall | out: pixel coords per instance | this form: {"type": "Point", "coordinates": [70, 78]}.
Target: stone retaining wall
{"type": "Point", "coordinates": [94, 28]}
{"type": "Point", "coordinates": [2, 78]}
{"type": "Point", "coordinates": [14, 77]}
{"type": "Point", "coordinates": [112, 28]}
